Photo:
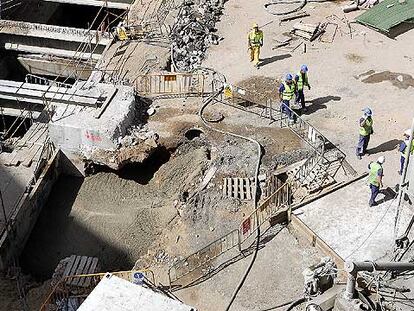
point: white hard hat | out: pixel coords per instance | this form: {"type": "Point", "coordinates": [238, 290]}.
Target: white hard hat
{"type": "Point", "coordinates": [381, 159]}
{"type": "Point", "coordinates": [407, 132]}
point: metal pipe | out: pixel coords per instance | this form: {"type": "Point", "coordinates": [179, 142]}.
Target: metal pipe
{"type": "Point", "coordinates": [354, 267]}
{"type": "Point", "coordinates": [403, 180]}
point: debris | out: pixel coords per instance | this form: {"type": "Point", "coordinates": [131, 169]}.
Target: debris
{"type": "Point", "coordinates": [283, 43]}
{"type": "Point", "coordinates": [308, 31]}
{"type": "Point", "coordinates": [151, 111]}
{"type": "Point", "coordinates": [330, 32]}
{"type": "Point", "coordinates": [193, 32]}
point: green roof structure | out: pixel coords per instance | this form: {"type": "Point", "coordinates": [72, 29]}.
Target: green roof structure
{"type": "Point", "coordinates": [387, 14]}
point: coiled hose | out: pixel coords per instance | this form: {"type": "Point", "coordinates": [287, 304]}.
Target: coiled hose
{"type": "Point", "coordinates": [259, 156]}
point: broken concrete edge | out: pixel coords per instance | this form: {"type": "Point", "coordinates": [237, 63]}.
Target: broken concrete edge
{"type": "Point", "coordinates": [24, 218]}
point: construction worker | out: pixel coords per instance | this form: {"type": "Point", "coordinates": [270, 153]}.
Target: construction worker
{"type": "Point", "coordinates": [121, 32]}
{"type": "Point", "coordinates": [255, 42]}
{"type": "Point", "coordinates": [301, 80]}
{"type": "Point", "coordinates": [365, 131]}
{"type": "Point", "coordinates": [375, 178]}
{"type": "Point", "coordinates": [286, 92]}
{"type": "Point", "coordinates": [404, 149]}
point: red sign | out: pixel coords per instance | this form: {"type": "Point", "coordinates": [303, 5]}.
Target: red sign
{"type": "Point", "coordinates": [246, 226]}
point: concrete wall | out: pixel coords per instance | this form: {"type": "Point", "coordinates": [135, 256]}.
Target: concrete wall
{"type": "Point", "coordinates": [25, 216]}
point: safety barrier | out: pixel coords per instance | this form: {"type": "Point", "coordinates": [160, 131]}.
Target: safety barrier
{"type": "Point", "coordinates": [80, 286]}
{"type": "Point", "coordinates": [269, 208]}
{"type": "Point", "coordinates": [320, 161]}
{"type": "Point", "coordinates": [170, 85]}
{"type": "Point", "coordinates": [201, 258]}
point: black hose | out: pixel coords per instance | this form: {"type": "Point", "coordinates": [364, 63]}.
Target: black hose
{"type": "Point", "coordinates": [296, 303]}
{"type": "Point", "coordinates": [259, 152]}
{"type": "Point", "coordinates": [300, 7]}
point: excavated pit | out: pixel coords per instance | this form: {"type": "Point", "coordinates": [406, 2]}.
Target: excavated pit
{"type": "Point", "coordinates": [113, 216]}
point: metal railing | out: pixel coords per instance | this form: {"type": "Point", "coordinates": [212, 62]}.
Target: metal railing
{"type": "Point", "coordinates": [170, 84]}
{"type": "Point", "coordinates": [191, 265]}
{"type": "Point", "coordinates": [266, 210]}
{"type": "Point", "coordinates": [316, 166]}
{"type": "Point", "coordinates": [202, 257]}
{"type": "Point", "coordinates": [80, 286]}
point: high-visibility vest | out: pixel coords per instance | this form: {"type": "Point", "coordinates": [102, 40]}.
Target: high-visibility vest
{"type": "Point", "coordinates": [289, 91]}
{"type": "Point", "coordinates": [255, 37]}
{"type": "Point", "coordinates": [122, 36]}
{"type": "Point", "coordinates": [302, 81]}
{"type": "Point", "coordinates": [366, 129]}
{"type": "Point", "coordinates": [406, 150]}
{"type": "Point", "coordinates": [373, 173]}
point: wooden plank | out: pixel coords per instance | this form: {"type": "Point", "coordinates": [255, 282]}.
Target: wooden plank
{"type": "Point", "coordinates": [69, 265]}
{"type": "Point", "coordinates": [32, 152]}
{"type": "Point", "coordinates": [248, 189]}
{"type": "Point", "coordinates": [74, 266]}
{"type": "Point", "coordinates": [225, 187]}
{"type": "Point", "coordinates": [241, 189]}
{"type": "Point", "coordinates": [88, 263]}
{"type": "Point", "coordinates": [92, 269]}
{"type": "Point", "coordinates": [79, 270]}
{"type": "Point", "coordinates": [234, 187]}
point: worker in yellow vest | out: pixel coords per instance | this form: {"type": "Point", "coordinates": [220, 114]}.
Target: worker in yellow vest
{"type": "Point", "coordinates": [302, 80]}
{"type": "Point", "coordinates": [376, 173]}
{"type": "Point", "coordinates": [121, 32]}
{"type": "Point", "coordinates": [365, 132]}
{"type": "Point", "coordinates": [404, 149]}
{"type": "Point", "coordinates": [255, 42]}
{"type": "Point", "coordinates": [287, 91]}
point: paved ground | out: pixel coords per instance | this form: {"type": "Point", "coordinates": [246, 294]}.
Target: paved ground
{"type": "Point", "coordinates": [276, 277]}
{"type": "Point", "coordinates": [350, 227]}
{"type": "Point", "coordinates": [337, 95]}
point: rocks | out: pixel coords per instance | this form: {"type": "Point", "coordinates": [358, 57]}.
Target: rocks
{"type": "Point", "coordinates": [193, 32]}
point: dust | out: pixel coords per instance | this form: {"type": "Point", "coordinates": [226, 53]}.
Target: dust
{"type": "Point", "coordinates": [355, 58]}
{"type": "Point", "coordinates": [260, 89]}
{"type": "Point", "coordinates": [399, 80]}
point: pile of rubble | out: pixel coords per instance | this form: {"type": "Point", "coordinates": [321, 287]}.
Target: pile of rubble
{"type": "Point", "coordinates": [193, 32]}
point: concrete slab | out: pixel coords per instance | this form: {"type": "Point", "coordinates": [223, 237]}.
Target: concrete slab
{"type": "Point", "coordinates": [113, 4]}
{"type": "Point", "coordinates": [76, 130]}
{"type": "Point", "coordinates": [51, 32]}
{"type": "Point", "coordinates": [113, 293]}
{"type": "Point", "coordinates": [350, 227]}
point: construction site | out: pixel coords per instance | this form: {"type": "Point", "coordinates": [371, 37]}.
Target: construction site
{"type": "Point", "coordinates": [206, 155]}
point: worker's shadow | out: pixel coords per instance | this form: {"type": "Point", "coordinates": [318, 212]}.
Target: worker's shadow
{"type": "Point", "coordinates": [320, 103]}
{"type": "Point", "coordinates": [388, 193]}
{"type": "Point", "coordinates": [269, 60]}
{"type": "Point", "coordinates": [387, 146]}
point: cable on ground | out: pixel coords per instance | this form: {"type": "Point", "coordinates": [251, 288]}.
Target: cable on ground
{"type": "Point", "coordinates": [259, 155]}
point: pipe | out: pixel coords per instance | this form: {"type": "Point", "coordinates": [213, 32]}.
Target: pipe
{"type": "Point", "coordinates": [354, 267]}
{"type": "Point", "coordinates": [403, 180]}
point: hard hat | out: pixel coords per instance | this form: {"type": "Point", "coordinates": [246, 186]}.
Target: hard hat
{"type": "Point", "coordinates": [255, 25]}
{"type": "Point", "coordinates": [367, 111]}
{"type": "Point", "coordinates": [304, 68]}
{"type": "Point", "coordinates": [288, 77]}
{"type": "Point", "coordinates": [407, 132]}
{"type": "Point", "coordinates": [381, 160]}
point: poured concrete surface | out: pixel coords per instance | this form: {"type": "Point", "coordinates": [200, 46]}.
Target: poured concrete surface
{"type": "Point", "coordinates": [355, 231]}
{"type": "Point", "coordinates": [113, 293]}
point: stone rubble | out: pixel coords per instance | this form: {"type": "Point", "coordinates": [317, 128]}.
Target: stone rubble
{"type": "Point", "coordinates": [193, 32]}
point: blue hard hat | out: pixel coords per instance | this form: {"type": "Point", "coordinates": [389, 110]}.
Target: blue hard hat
{"type": "Point", "coordinates": [304, 68]}
{"type": "Point", "coordinates": [367, 111]}
{"type": "Point", "coordinates": [289, 77]}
